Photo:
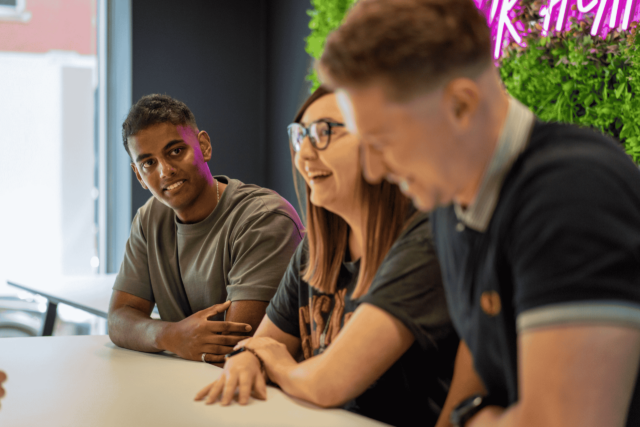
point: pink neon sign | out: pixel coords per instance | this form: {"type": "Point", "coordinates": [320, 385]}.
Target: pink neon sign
{"type": "Point", "coordinates": [609, 15]}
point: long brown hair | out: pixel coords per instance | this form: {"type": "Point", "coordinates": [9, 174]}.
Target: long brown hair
{"type": "Point", "coordinates": [385, 215]}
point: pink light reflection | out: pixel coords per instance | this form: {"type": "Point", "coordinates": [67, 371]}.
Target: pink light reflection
{"type": "Point", "coordinates": [190, 137]}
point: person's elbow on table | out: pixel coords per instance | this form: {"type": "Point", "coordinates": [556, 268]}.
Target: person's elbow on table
{"type": "Point", "coordinates": [193, 338]}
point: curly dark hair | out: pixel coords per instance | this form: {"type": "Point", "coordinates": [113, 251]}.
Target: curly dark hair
{"type": "Point", "coordinates": [152, 110]}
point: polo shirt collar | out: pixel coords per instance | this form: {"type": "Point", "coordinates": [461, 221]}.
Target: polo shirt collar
{"type": "Point", "coordinates": [513, 139]}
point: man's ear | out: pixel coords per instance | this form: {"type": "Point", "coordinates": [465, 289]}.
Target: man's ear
{"type": "Point", "coordinates": [461, 99]}
{"type": "Point", "coordinates": [205, 145]}
{"type": "Point", "coordinates": [372, 164]}
{"type": "Point", "coordinates": [135, 170]}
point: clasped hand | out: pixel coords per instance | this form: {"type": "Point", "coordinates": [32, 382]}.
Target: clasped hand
{"type": "Point", "coordinates": [242, 372]}
{"type": "Point", "coordinates": [195, 335]}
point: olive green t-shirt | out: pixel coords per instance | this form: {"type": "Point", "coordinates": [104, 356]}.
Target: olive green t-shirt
{"type": "Point", "coordinates": [239, 252]}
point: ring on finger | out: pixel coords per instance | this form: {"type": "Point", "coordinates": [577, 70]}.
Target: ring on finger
{"type": "Point", "coordinates": [203, 355]}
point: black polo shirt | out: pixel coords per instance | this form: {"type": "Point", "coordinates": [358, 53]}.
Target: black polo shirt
{"type": "Point", "coordinates": [561, 246]}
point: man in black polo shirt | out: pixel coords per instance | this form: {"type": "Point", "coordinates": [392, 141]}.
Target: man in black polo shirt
{"type": "Point", "coordinates": [537, 225]}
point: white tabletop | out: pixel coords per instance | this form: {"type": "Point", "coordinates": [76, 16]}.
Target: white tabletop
{"type": "Point", "coordinates": [89, 293]}
{"type": "Point", "coordinates": [88, 381]}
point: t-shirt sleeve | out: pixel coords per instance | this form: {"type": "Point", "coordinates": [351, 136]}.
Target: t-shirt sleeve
{"type": "Point", "coordinates": [408, 285]}
{"type": "Point", "coordinates": [133, 277]}
{"type": "Point", "coordinates": [283, 310]}
{"type": "Point", "coordinates": [260, 254]}
{"type": "Point", "coordinates": [575, 245]}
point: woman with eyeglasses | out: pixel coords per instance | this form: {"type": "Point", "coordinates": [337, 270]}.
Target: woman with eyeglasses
{"type": "Point", "coordinates": [359, 319]}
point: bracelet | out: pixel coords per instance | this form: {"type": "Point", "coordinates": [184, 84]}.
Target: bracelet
{"type": "Point", "coordinates": [250, 350]}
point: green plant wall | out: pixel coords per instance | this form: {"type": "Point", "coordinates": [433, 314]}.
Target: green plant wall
{"type": "Point", "coordinates": [573, 77]}
{"type": "Point", "coordinates": [568, 77]}
{"type": "Point", "coordinates": [326, 16]}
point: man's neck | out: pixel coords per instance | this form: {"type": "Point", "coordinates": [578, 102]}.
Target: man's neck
{"type": "Point", "coordinates": [202, 206]}
{"type": "Point", "coordinates": [490, 130]}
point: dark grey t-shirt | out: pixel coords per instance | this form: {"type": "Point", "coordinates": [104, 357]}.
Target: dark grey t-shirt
{"type": "Point", "coordinates": [239, 252]}
{"type": "Point", "coordinates": [408, 286]}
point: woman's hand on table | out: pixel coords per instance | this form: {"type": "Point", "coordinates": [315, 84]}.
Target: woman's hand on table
{"type": "Point", "coordinates": [241, 372]}
{"type": "Point", "coordinates": [274, 354]}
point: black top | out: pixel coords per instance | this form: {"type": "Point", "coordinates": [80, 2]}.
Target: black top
{"type": "Point", "coordinates": [563, 241]}
{"type": "Point", "coordinates": [409, 287]}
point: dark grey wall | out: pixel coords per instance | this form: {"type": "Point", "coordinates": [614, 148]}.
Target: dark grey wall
{"type": "Point", "coordinates": [287, 67]}
{"type": "Point", "coordinates": [239, 66]}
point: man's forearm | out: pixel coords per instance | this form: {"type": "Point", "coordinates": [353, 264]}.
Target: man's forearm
{"type": "Point", "coordinates": [129, 328]}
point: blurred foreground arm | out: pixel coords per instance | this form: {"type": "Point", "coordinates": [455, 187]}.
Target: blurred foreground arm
{"type": "Point", "coordinates": [577, 375]}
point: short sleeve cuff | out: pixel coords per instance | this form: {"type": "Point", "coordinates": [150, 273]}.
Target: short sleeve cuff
{"type": "Point", "coordinates": [248, 292]}
{"type": "Point", "coordinates": [620, 313]}
{"type": "Point", "coordinates": [133, 288]}
{"type": "Point", "coordinates": [281, 322]}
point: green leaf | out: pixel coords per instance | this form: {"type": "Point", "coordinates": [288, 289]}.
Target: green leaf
{"type": "Point", "coordinates": [620, 88]}
{"type": "Point", "coordinates": [568, 86]}
{"type": "Point", "coordinates": [589, 100]}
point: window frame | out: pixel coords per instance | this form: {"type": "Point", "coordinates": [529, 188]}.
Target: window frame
{"type": "Point", "coordinates": [18, 12]}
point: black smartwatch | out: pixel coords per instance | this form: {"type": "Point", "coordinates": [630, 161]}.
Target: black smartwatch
{"type": "Point", "coordinates": [468, 408]}
{"type": "Point", "coordinates": [234, 352]}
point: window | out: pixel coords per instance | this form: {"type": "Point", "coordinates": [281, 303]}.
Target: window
{"type": "Point", "coordinates": [49, 81]}
{"type": "Point", "coordinates": [14, 10]}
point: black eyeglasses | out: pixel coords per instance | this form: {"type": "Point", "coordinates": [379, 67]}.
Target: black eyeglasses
{"type": "Point", "coordinates": [319, 133]}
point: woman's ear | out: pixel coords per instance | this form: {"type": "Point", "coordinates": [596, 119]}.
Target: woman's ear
{"type": "Point", "coordinates": [205, 145]}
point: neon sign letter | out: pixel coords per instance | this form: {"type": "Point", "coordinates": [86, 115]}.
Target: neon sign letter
{"type": "Point", "coordinates": [497, 15]}
{"type": "Point", "coordinates": [505, 21]}
{"type": "Point", "coordinates": [547, 12]}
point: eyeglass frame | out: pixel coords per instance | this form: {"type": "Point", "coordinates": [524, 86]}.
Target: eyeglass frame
{"type": "Point", "coordinates": [307, 133]}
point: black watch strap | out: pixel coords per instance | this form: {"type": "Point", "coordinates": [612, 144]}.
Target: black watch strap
{"type": "Point", "coordinates": [467, 409]}
{"type": "Point", "coordinates": [234, 352]}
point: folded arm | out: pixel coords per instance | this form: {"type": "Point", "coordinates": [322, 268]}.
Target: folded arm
{"type": "Point", "coordinates": [131, 326]}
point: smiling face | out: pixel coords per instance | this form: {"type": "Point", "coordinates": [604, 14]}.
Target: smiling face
{"type": "Point", "coordinates": [403, 146]}
{"type": "Point", "coordinates": [427, 145]}
{"type": "Point", "coordinates": [332, 174]}
{"type": "Point", "coordinates": [170, 161]}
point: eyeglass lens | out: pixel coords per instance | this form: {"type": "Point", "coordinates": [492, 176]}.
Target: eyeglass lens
{"type": "Point", "coordinates": [319, 135]}
{"type": "Point", "coordinates": [320, 132]}
{"type": "Point", "coordinates": [296, 135]}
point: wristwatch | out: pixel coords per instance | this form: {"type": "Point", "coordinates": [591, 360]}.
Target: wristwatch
{"type": "Point", "coordinates": [234, 352]}
{"type": "Point", "coordinates": [468, 408]}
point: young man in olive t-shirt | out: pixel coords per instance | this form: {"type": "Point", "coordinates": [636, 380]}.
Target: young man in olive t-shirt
{"type": "Point", "coordinates": [201, 247]}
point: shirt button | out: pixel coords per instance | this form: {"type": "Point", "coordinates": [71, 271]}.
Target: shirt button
{"type": "Point", "coordinates": [459, 227]}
